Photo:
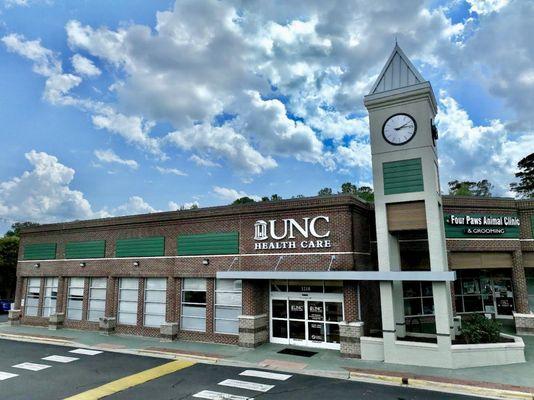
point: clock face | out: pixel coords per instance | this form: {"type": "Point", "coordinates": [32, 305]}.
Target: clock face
{"type": "Point", "coordinates": [399, 129]}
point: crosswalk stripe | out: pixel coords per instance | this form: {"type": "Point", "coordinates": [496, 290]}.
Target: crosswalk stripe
{"type": "Point", "coordinates": [264, 374]}
{"type": "Point", "coordinates": [6, 375]}
{"type": "Point", "coordinates": [87, 352]}
{"type": "Point", "coordinates": [31, 366]}
{"type": "Point", "coordinates": [60, 359]}
{"type": "Point", "coordinates": [208, 394]}
{"type": "Point", "coordinates": [258, 387]}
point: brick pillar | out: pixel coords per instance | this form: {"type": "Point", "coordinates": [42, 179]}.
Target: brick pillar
{"type": "Point", "coordinates": [110, 297]}
{"type": "Point", "coordinates": [178, 301]}
{"type": "Point", "coordinates": [520, 284]}
{"type": "Point", "coordinates": [61, 294]}
{"type": "Point", "coordinates": [171, 300]}
{"type": "Point", "coordinates": [350, 301]}
{"type": "Point", "coordinates": [349, 339]}
{"type": "Point", "coordinates": [141, 302]}
{"type": "Point", "coordinates": [210, 304]}
{"type": "Point", "coordinates": [254, 323]}
{"type": "Point", "coordinates": [85, 301]}
{"type": "Point", "coordinates": [19, 293]}
{"type": "Point", "coordinates": [41, 297]}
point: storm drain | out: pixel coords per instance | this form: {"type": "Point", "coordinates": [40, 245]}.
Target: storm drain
{"type": "Point", "coordinates": [300, 353]}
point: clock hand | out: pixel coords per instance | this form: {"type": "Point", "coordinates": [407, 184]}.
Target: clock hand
{"type": "Point", "coordinates": [400, 127]}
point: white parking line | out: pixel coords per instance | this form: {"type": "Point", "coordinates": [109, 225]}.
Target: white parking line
{"type": "Point", "coordinates": [31, 366]}
{"type": "Point", "coordinates": [87, 352]}
{"type": "Point", "coordinates": [6, 375]}
{"type": "Point", "coordinates": [60, 359]}
{"type": "Point", "coordinates": [258, 387]}
{"type": "Point", "coordinates": [265, 374]}
{"type": "Point", "coordinates": [208, 394]}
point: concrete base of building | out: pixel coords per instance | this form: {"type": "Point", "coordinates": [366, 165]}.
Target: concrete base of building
{"type": "Point", "coordinates": [169, 331]}
{"type": "Point", "coordinates": [524, 324]}
{"type": "Point", "coordinates": [55, 321]}
{"type": "Point", "coordinates": [107, 325]}
{"type": "Point", "coordinates": [349, 339]}
{"type": "Point", "coordinates": [14, 317]}
{"type": "Point", "coordinates": [253, 330]}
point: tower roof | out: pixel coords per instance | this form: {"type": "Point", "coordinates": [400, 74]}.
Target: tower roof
{"type": "Point", "coordinates": [398, 72]}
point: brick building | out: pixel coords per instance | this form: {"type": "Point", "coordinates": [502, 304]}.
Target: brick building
{"type": "Point", "coordinates": [238, 274]}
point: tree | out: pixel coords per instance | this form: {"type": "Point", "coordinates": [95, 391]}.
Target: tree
{"type": "Point", "coordinates": [325, 192]}
{"type": "Point", "coordinates": [244, 200]}
{"type": "Point", "coordinates": [366, 193]}
{"type": "Point", "coordinates": [525, 186]}
{"type": "Point", "coordinates": [9, 248]}
{"type": "Point", "coordinates": [17, 226]}
{"type": "Point", "coordinates": [468, 188]}
{"type": "Point", "coordinates": [274, 197]}
{"type": "Point", "coordinates": [348, 188]}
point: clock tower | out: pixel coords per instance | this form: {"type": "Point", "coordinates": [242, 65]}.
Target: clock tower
{"type": "Point", "coordinates": [408, 204]}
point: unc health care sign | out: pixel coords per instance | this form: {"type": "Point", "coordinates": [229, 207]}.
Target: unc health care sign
{"type": "Point", "coordinates": [289, 233]}
{"type": "Point", "coordinates": [481, 226]}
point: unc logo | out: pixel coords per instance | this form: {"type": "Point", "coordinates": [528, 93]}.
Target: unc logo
{"type": "Point", "coordinates": [260, 230]}
{"type": "Point", "coordinates": [275, 230]}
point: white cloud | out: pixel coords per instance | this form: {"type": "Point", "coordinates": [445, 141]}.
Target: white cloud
{"type": "Point", "coordinates": [134, 205]}
{"type": "Point", "coordinates": [356, 154]}
{"type": "Point", "coordinates": [230, 195]}
{"type": "Point", "coordinates": [203, 162]}
{"type": "Point", "coordinates": [225, 142]}
{"type": "Point", "coordinates": [84, 66]}
{"type": "Point", "coordinates": [43, 194]}
{"type": "Point", "coordinates": [133, 129]}
{"type": "Point", "coordinates": [45, 61]}
{"type": "Point", "coordinates": [109, 156]}
{"type": "Point", "coordinates": [486, 6]}
{"type": "Point", "coordinates": [475, 152]}
{"type": "Point", "coordinates": [172, 171]}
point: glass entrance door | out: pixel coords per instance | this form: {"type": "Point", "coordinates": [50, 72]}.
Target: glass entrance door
{"type": "Point", "coordinates": [504, 297]}
{"type": "Point", "coordinates": [307, 322]}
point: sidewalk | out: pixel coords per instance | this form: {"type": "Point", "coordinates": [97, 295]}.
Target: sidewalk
{"type": "Point", "coordinates": [517, 377]}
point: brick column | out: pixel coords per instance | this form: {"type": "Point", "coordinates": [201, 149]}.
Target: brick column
{"type": "Point", "coordinates": [41, 297]}
{"type": "Point", "coordinates": [140, 302]}
{"type": "Point", "coordinates": [520, 284]}
{"type": "Point", "coordinates": [349, 339]}
{"type": "Point", "coordinates": [85, 301]}
{"type": "Point", "coordinates": [19, 293]}
{"type": "Point", "coordinates": [350, 301]}
{"type": "Point", "coordinates": [110, 297]}
{"type": "Point", "coordinates": [210, 305]}
{"type": "Point", "coordinates": [61, 294]}
{"type": "Point", "coordinates": [254, 323]}
{"type": "Point", "coordinates": [171, 300]}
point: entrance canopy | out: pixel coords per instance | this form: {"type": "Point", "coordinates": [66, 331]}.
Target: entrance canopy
{"type": "Point", "coordinates": [441, 276]}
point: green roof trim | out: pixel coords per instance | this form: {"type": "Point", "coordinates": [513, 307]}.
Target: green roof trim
{"type": "Point", "coordinates": [87, 249]}
{"type": "Point", "coordinates": [141, 247]}
{"type": "Point", "coordinates": [40, 251]}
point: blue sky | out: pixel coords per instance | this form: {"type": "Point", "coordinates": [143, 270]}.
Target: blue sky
{"type": "Point", "coordinates": [122, 107]}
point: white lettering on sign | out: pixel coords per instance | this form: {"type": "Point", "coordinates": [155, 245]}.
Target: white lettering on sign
{"type": "Point", "coordinates": [289, 228]}
{"type": "Point", "coordinates": [484, 220]}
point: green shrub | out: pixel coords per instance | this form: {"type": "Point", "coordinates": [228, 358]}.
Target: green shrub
{"type": "Point", "coordinates": [479, 329]}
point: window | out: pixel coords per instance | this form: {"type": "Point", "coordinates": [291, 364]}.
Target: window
{"type": "Point", "coordinates": [529, 272]}
{"type": "Point", "coordinates": [128, 290]}
{"type": "Point", "coordinates": [227, 306]}
{"type": "Point", "coordinates": [75, 298]}
{"type": "Point", "coordinates": [155, 301]}
{"type": "Point", "coordinates": [33, 292]}
{"type": "Point", "coordinates": [418, 299]}
{"type": "Point", "coordinates": [97, 299]}
{"type": "Point", "coordinates": [194, 304]}
{"type": "Point", "coordinates": [50, 296]}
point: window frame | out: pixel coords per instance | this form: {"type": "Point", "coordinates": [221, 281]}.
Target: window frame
{"type": "Point", "coordinates": [35, 295]}
{"type": "Point", "coordinates": [186, 303]}
{"type": "Point", "coordinates": [421, 298]}
{"type": "Point", "coordinates": [69, 288]}
{"type": "Point", "coordinates": [119, 301]}
{"type": "Point", "coordinates": [145, 302]}
{"type": "Point", "coordinates": [90, 295]}
{"type": "Point", "coordinates": [47, 309]}
{"type": "Point", "coordinates": [233, 306]}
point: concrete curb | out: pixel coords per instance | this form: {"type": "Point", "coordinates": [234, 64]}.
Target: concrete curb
{"type": "Point", "coordinates": [355, 376]}
{"type": "Point", "coordinates": [441, 386]}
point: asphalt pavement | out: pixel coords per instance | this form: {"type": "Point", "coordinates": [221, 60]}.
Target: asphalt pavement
{"type": "Point", "coordinates": [36, 371]}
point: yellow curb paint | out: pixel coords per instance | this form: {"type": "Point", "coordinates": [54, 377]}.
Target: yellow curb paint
{"type": "Point", "coordinates": [131, 381]}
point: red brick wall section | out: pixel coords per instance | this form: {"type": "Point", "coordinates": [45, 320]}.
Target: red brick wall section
{"type": "Point", "coordinates": [171, 300]}
{"type": "Point", "coordinates": [210, 305]}
{"type": "Point", "coordinates": [350, 300]}
{"type": "Point", "coordinates": [520, 284]}
{"type": "Point", "coordinates": [255, 297]}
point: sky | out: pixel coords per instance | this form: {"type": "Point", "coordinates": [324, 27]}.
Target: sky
{"type": "Point", "coordinates": [126, 107]}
